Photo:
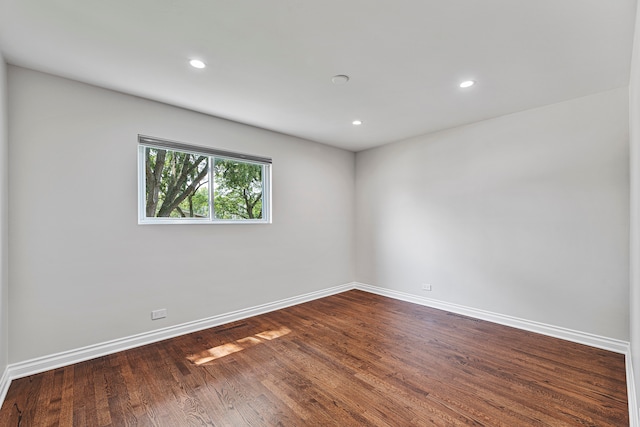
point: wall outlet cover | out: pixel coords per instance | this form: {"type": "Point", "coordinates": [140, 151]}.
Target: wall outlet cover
{"type": "Point", "coordinates": [159, 314]}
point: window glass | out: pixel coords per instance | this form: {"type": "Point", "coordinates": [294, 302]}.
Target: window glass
{"type": "Point", "coordinates": [185, 185]}
{"type": "Point", "coordinates": [238, 189]}
{"type": "Point", "coordinates": [176, 184]}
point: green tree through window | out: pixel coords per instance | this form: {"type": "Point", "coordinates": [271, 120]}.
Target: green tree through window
{"type": "Point", "coordinates": [238, 190]}
{"type": "Point", "coordinates": [177, 184]}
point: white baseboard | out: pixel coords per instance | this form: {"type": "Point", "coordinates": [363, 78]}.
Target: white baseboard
{"type": "Point", "coordinates": [46, 363]}
{"type": "Point", "coordinates": [611, 344]}
{"type": "Point", "coordinates": [592, 340]}
{"type": "Point", "coordinates": [632, 397]}
{"type": "Point", "coordinates": [5, 382]}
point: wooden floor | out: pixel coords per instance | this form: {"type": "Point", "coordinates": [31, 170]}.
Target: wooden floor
{"type": "Point", "coordinates": [353, 359]}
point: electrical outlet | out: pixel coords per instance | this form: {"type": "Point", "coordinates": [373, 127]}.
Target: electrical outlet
{"type": "Point", "coordinates": [159, 314]}
{"type": "Point", "coordinates": [426, 287]}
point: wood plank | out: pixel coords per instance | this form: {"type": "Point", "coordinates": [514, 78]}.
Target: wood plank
{"type": "Point", "coordinates": [351, 359]}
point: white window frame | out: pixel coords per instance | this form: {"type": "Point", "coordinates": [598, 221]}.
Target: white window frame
{"type": "Point", "coordinates": [212, 153]}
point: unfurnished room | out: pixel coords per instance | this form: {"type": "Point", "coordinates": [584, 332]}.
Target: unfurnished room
{"type": "Point", "coordinates": [337, 213]}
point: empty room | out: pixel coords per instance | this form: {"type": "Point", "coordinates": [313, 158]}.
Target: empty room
{"type": "Point", "coordinates": [251, 213]}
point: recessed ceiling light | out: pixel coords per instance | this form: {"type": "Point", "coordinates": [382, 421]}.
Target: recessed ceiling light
{"type": "Point", "coordinates": [356, 122]}
{"type": "Point", "coordinates": [196, 63]}
{"type": "Point", "coordinates": [467, 83]}
{"type": "Point", "coordinates": [340, 79]}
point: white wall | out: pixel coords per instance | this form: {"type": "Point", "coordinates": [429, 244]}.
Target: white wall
{"type": "Point", "coordinates": [83, 271]}
{"type": "Point", "coordinates": [525, 215]}
{"type": "Point", "coordinates": [4, 284]}
{"type": "Point", "coordinates": [634, 125]}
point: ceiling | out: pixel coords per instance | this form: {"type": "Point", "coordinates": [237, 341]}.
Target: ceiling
{"type": "Point", "coordinates": [270, 63]}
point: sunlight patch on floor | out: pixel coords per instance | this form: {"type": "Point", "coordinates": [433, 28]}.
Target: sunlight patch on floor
{"type": "Point", "coordinates": [236, 346]}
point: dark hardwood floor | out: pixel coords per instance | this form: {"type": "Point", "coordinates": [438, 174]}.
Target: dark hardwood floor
{"type": "Point", "coordinates": [353, 359]}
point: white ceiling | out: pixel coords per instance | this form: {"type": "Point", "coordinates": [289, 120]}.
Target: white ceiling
{"type": "Point", "coordinates": [270, 63]}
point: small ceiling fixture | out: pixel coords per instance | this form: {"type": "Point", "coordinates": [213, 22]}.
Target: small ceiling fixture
{"type": "Point", "coordinates": [340, 79]}
{"type": "Point", "coordinates": [196, 63]}
{"type": "Point", "coordinates": [467, 83]}
{"type": "Point", "coordinates": [356, 122]}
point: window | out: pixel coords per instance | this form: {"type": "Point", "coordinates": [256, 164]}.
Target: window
{"type": "Point", "coordinates": [179, 183]}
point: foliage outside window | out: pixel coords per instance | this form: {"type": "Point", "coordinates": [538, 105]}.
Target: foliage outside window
{"type": "Point", "coordinates": [184, 184]}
